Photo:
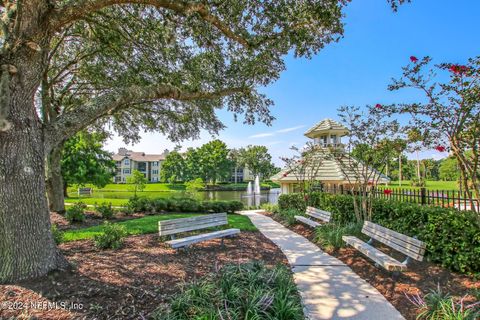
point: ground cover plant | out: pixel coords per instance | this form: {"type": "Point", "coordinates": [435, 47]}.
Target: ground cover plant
{"type": "Point", "coordinates": [76, 213]}
{"type": "Point", "coordinates": [149, 224]}
{"type": "Point", "coordinates": [247, 291]}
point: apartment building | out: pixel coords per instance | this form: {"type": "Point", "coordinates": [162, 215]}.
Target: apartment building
{"type": "Point", "coordinates": [128, 160]}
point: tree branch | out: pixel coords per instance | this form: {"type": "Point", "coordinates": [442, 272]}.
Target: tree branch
{"type": "Point", "coordinates": [81, 9]}
{"type": "Point", "coordinates": [69, 123]}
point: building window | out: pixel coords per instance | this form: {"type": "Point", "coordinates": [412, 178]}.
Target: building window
{"type": "Point", "coordinates": [126, 171]}
{"type": "Point", "coordinates": [155, 163]}
{"type": "Point", "coordinates": [126, 162]}
{"type": "Point", "coordinates": [155, 171]}
{"type": "Point", "coordinates": [333, 137]}
{"type": "Point", "coordinates": [154, 179]}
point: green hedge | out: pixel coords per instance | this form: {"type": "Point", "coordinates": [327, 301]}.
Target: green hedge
{"type": "Point", "coordinates": [452, 236]}
{"type": "Point", "coordinates": [158, 205]}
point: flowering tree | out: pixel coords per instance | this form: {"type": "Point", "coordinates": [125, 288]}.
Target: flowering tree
{"type": "Point", "coordinates": [304, 165]}
{"type": "Point", "coordinates": [372, 140]}
{"type": "Point", "coordinates": [449, 118]}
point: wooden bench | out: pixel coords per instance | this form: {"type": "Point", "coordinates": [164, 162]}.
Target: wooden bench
{"type": "Point", "coordinates": [409, 246]}
{"type": "Point", "coordinates": [175, 226]}
{"type": "Point", "coordinates": [85, 191]}
{"type": "Point", "coordinates": [324, 216]}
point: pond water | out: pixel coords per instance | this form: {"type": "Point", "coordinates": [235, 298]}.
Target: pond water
{"type": "Point", "coordinates": [266, 196]}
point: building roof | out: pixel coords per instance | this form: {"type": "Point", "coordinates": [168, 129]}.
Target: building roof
{"type": "Point", "coordinates": [138, 156]}
{"type": "Point", "coordinates": [324, 126]}
{"type": "Point", "coordinates": [330, 169]}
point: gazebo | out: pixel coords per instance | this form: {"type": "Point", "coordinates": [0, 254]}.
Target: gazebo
{"type": "Point", "coordinates": [331, 173]}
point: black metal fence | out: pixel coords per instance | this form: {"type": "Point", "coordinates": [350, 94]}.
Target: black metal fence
{"type": "Point", "coordinates": [421, 196]}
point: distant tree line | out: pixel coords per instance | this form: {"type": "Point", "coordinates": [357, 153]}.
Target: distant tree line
{"type": "Point", "coordinates": [214, 161]}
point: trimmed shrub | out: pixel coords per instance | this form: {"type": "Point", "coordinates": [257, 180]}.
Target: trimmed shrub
{"type": "Point", "coordinates": [292, 201]}
{"type": "Point", "coordinates": [136, 204]}
{"type": "Point", "coordinates": [245, 291]}
{"type": "Point", "coordinates": [105, 210]}
{"type": "Point", "coordinates": [76, 213]}
{"type": "Point", "coordinates": [112, 236]}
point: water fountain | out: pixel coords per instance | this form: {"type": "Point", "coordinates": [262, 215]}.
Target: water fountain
{"type": "Point", "coordinates": [257, 185]}
{"type": "Point", "coordinates": [249, 188]}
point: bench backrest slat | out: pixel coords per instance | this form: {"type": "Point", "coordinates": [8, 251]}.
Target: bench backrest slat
{"type": "Point", "coordinates": [168, 227]}
{"type": "Point", "coordinates": [407, 245]}
{"type": "Point", "coordinates": [325, 216]}
{"type": "Point", "coordinates": [84, 190]}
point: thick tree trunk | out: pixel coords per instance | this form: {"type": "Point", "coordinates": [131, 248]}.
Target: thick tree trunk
{"type": "Point", "coordinates": [26, 244]}
{"type": "Point", "coordinates": [54, 182]}
{"type": "Point", "coordinates": [27, 248]}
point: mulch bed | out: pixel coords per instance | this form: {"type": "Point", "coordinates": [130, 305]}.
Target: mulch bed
{"type": "Point", "coordinates": [129, 283]}
{"type": "Point", "coordinates": [91, 219]}
{"type": "Point", "coordinates": [421, 277]}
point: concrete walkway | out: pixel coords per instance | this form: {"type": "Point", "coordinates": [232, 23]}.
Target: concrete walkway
{"type": "Point", "coordinates": [329, 288]}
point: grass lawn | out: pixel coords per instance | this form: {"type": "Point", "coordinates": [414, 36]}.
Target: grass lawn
{"type": "Point", "coordinates": [431, 185]}
{"type": "Point", "coordinates": [149, 224]}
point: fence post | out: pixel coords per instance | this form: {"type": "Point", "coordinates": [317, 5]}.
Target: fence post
{"type": "Point", "coordinates": [423, 195]}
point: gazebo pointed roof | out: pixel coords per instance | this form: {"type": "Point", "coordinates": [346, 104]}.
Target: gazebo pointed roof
{"type": "Point", "coordinates": [324, 126]}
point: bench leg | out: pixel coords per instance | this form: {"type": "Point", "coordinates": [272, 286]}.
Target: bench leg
{"type": "Point", "coordinates": [395, 275]}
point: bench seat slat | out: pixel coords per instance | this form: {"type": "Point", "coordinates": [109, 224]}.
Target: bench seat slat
{"type": "Point", "coordinates": [376, 255]}
{"type": "Point", "coordinates": [190, 223]}
{"type": "Point", "coordinates": [202, 237]}
{"type": "Point", "coordinates": [169, 227]}
{"type": "Point", "coordinates": [311, 223]}
{"type": "Point", "coordinates": [407, 249]}
{"type": "Point", "coordinates": [325, 216]}
{"type": "Point", "coordinates": [373, 226]}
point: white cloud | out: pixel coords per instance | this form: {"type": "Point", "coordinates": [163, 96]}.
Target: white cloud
{"type": "Point", "coordinates": [274, 133]}
{"type": "Point", "coordinates": [290, 129]}
{"type": "Point", "coordinates": [262, 135]}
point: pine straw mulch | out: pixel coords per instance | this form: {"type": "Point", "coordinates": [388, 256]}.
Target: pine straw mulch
{"type": "Point", "coordinates": [420, 278]}
{"type": "Point", "coordinates": [129, 283]}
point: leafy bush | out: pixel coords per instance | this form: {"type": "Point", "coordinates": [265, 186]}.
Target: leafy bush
{"type": "Point", "coordinates": [105, 210]}
{"type": "Point", "coordinates": [437, 305]}
{"type": "Point", "coordinates": [452, 236]}
{"type": "Point", "coordinates": [137, 204]}
{"type": "Point", "coordinates": [112, 236]}
{"type": "Point", "coordinates": [292, 201]}
{"type": "Point", "coordinates": [245, 291]}
{"type": "Point", "coordinates": [330, 235]}
{"type": "Point", "coordinates": [270, 207]}
{"type": "Point", "coordinates": [57, 234]}
{"type": "Point", "coordinates": [76, 213]}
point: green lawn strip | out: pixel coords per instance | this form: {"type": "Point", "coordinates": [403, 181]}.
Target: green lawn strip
{"type": "Point", "coordinates": [431, 185]}
{"type": "Point", "coordinates": [149, 224]}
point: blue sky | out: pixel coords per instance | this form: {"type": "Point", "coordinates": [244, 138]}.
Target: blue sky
{"type": "Point", "coordinates": [355, 71]}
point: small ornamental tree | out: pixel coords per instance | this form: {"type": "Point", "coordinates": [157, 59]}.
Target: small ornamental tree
{"type": "Point", "coordinates": [138, 180]}
{"type": "Point", "coordinates": [305, 165]}
{"type": "Point", "coordinates": [370, 143]}
{"type": "Point", "coordinates": [449, 117]}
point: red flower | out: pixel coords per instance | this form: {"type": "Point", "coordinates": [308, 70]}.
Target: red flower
{"type": "Point", "coordinates": [413, 59]}
{"type": "Point", "coordinates": [378, 106]}
{"type": "Point", "coordinates": [440, 148]}
{"type": "Point", "coordinates": [387, 192]}
{"type": "Point", "coordinates": [458, 69]}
